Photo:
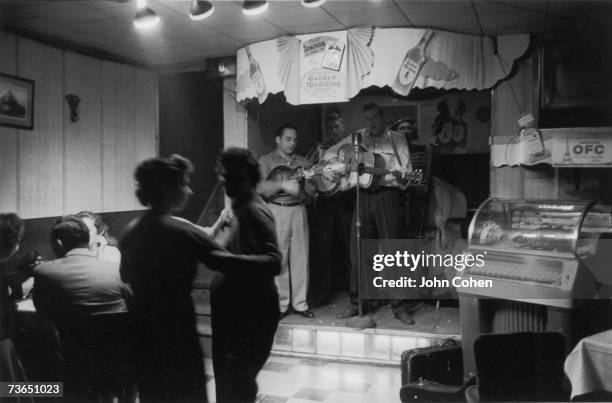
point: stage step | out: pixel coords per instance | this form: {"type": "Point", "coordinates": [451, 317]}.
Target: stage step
{"type": "Point", "coordinates": [381, 345]}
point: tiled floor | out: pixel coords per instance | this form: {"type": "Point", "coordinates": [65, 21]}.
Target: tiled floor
{"type": "Point", "coordinates": [295, 380]}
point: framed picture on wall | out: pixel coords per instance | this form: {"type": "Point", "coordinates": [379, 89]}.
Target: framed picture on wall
{"type": "Point", "coordinates": [16, 102]}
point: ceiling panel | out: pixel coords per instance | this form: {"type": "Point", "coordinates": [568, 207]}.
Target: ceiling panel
{"type": "Point", "coordinates": [106, 25]}
{"type": "Point", "coordinates": [531, 5]}
{"type": "Point", "coordinates": [210, 42]}
{"type": "Point", "coordinates": [124, 10]}
{"type": "Point", "coordinates": [108, 28]}
{"type": "Point", "coordinates": [250, 33]}
{"type": "Point", "coordinates": [445, 18]}
{"type": "Point", "coordinates": [411, 8]}
{"type": "Point", "coordinates": [517, 20]}
{"type": "Point", "coordinates": [290, 14]}
{"type": "Point", "coordinates": [381, 17]}
{"type": "Point", "coordinates": [308, 29]}
{"type": "Point", "coordinates": [343, 6]}
{"type": "Point", "coordinates": [489, 7]}
{"type": "Point", "coordinates": [47, 28]}
{"type": "Point", "coordinates": [68, 13]}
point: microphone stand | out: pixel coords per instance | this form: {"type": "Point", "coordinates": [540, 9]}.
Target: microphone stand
{"type": "Point", "coordinates": [359, 322]}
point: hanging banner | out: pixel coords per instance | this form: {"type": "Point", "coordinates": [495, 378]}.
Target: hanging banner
{"type": "Point", "coordinates": [335, 66]}
{"type": "Point", "coordinates": [323, 68]}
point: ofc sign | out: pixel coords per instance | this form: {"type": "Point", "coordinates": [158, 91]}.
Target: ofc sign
{"type": "Point", "coordinates": [590, 147]}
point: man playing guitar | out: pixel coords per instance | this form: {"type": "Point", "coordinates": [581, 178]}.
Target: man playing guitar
{"type": "Point", "coordinates": [383, 209]}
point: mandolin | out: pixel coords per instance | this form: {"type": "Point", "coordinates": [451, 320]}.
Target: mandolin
{"type": "Point", "coordinates": [371, 169]}
{"type": "Point", "coordinates": [319, 175]}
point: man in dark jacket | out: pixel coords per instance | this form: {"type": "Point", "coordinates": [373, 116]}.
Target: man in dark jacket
{"type": "Point", "coordinates": [77, 283]}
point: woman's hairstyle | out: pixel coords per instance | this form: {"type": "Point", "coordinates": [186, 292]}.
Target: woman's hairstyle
{"type": "Point", "coordinates": [154, 174]}
{"type": "Point", "coordinates": [239, 161]}
{"type": "Point", "coordinates": [11, 232]}
{"type": "Point", "coordinates": [102, 228]}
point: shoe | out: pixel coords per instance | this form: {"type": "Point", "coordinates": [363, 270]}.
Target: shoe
{"type": "Point", "coordinates": [307, 313]}
{"type": "Point", "coordinates": [405, 318]}
{"type": "Point", "coordinates": [283, 315]}
{"type": "Point", "coordinates": [348, 313]}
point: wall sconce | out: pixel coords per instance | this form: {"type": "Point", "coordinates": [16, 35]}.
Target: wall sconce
{"type": "Point", "coordinates": [73, 104]}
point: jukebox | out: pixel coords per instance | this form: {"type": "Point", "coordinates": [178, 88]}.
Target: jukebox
{"type": "Point", "coordinates": [549, 266]}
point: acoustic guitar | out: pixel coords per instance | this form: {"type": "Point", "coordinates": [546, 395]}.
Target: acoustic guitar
{"type": "Point", "coordinates": [371, 169]}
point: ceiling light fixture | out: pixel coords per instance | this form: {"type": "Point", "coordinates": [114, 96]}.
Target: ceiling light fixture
{"type": "Point", "coordinates": [254, 7]}
{"type": "Point", "coordinates": [201, 9]}
{"type": "Point", "coordinates": [312, 3]}
{"type": "Point", "coordinates": [145, 18]}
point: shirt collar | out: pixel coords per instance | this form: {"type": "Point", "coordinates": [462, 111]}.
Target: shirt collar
{"type": "Point", "coordinates": [81, 252]}
{"type": "Point", "coordinates": [283, 158]}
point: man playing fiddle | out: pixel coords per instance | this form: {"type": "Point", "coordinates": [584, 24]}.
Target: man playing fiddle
{"type": "Point", "coordinates": [286, 194]}
{"type": "Point", "coordinates": [383, 208]}
{"type": "Point", "coordinates": [333, 227]}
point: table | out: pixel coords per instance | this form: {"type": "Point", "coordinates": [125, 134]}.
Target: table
{"type": "Point", "coordinates": [589, 365]}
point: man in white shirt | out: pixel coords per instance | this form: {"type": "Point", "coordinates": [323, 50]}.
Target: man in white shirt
{"type": "Point", "coordinates": [383, 207]}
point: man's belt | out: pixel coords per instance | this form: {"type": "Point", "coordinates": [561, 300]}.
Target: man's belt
{"type": "Point", "coordinates": [286, 203]}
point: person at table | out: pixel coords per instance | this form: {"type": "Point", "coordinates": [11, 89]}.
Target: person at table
{"type": "Point", "coordinates": [77, 283]}
{"type": "Point", "coordinates": [11, 233]}
{"type": "Point", "coordinates": [286, 197]}
{"type": "Point", "coordinates": [100, 240]}
{"type": "Point", "coordinates": [242, 340]}
{"type": "Point", "coordinates": [383, 208]}
{"type": "Point", "coordinates": [333, 212]}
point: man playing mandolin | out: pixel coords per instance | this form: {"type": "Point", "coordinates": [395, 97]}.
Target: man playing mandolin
{"type": "Point", "coordinates": [382, 206]}
{"type": "Point", "coordinates": [286, 191]}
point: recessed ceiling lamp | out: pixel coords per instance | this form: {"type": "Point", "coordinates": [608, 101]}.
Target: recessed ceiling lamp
{"type": "Point", "coordinates": [313, 3]}
{"type": "Point", "coordinates": [145, 18]}
{"type": "Point", "coordinates": [201, 9]}
{"type": "Point", "coordinates": [254, 7]}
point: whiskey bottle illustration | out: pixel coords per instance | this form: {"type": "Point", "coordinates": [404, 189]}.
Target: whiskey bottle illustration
{"type": "Point", "coordinates": [256, 77]}
{"type": "Point", "coordinates": [413, 63]}
{"type": "Point", "coordinates": [567, 157]}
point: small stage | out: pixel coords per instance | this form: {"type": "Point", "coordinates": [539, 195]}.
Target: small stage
{"type": "Point", "coordinates": [325, 337]}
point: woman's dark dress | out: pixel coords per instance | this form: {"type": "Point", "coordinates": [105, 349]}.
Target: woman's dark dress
{"type": "Point", "coordinates": [159, 261]}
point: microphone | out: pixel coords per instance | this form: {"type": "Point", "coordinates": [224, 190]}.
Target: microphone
{"type": "Point", "coordinates": [356, 138]}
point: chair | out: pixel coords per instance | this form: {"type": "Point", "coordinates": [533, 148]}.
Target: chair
{"type": "Point", "coordinates": [97, 358]}
{"type": "Point", "coordinates": [519, 367]}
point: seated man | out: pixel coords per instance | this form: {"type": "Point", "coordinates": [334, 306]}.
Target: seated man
{"type": "Point", "coordinates": [77, 283]}
{"type": "Point", "coordinates": [78, 291]}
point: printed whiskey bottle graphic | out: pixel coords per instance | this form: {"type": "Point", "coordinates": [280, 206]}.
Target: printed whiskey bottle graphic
{"type": "Point", "coordinates": [567, 157]}
{"type": "Point", "coordinates": [413, 63]}
{"type": "Point", "coordinates": [256, 77]}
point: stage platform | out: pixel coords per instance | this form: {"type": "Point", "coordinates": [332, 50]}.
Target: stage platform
{"type": "Point", "coordinates": [325, 337]}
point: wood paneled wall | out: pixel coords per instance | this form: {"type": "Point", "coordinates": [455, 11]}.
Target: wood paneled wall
{"type": "Point", "coordinates": [543, 181]}
{"type": "Point", "coordinates": [61, 166]}
{"type": "Point", "coordinates": [235, 117]}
